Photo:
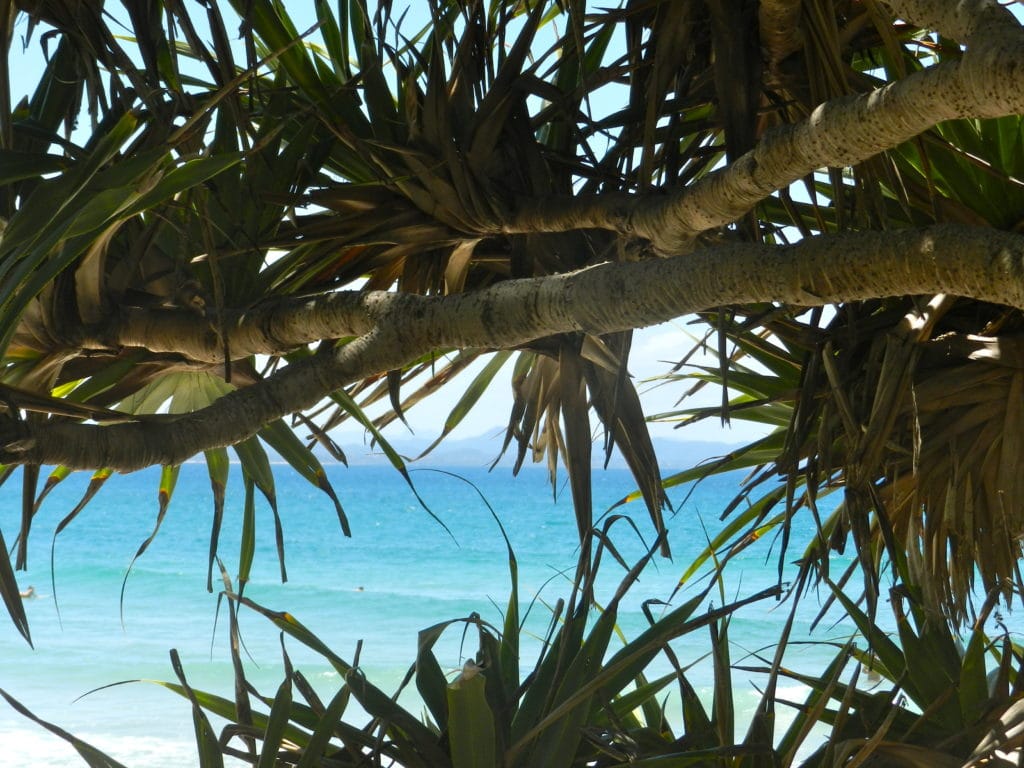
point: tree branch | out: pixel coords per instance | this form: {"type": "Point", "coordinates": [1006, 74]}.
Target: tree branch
{"type": "Point", "coordinates": [272, 328]}
{"type": "Point", "coordinates": [980, 263]}
{"type": "Point", "coordinates": [958, 20]}
{"type": "Point", "coordinates": [987, 82]}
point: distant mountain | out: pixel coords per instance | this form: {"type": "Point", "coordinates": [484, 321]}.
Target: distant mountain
{"type": "Point", "coordinates": [481, 451]}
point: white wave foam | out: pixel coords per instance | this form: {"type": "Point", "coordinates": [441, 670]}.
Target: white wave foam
{"type": "Point", "coordinates": [39, 749]}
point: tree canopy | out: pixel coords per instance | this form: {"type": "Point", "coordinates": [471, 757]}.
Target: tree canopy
{"type": "Point", "coordinates": [216, 240]}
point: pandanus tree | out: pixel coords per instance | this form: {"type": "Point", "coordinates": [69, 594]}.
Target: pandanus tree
{"type": "Point", "coordinates": [236, 225]}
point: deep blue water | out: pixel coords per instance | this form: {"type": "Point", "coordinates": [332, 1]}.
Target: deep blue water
{"type": "Point", "coordinates": [400, 572]}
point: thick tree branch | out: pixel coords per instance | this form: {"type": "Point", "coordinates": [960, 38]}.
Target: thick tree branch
{"type": "Point", "coordinates": [272, 328]}
{"type": "Point", "coordinates": [957, 19]}
{"type": "Point", "coordinates": [980, 263]}
{"type": "Point", "coordinates": [987, 82]}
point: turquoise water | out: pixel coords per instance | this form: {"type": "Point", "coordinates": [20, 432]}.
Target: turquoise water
{"type": "Point", "coordinates": [399, 573]}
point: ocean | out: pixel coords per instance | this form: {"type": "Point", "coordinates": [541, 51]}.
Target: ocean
{"type": "Point", "coordinates": [401, 571]}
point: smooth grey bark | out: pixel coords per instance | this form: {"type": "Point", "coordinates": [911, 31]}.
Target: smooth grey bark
{"type": "Point", "coordinates": [979, 263]}
{"type": "Point", "coordinates": [956, 19]}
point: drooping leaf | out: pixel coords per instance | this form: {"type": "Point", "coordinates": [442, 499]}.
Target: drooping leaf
{"type": "Point", "coordinates": [165, 491]}
{"type": "Point", "coordinates": [93, 757]}
{"type": "Point", "coordinates": [11, 593]}
{"type": "Point", "coordinates": [218, 466]}
{"type": "Point", "coordinates": [283, 440]}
